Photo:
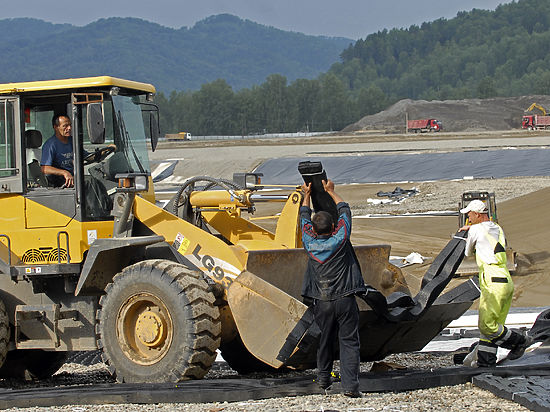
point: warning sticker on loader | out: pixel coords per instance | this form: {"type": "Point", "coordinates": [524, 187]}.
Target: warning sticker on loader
{"type": "Point", "coordinates": [181, 244]}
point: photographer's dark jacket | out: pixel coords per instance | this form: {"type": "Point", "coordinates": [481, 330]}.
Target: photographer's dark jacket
{"type": "Point", "coordinates": [332, 269]}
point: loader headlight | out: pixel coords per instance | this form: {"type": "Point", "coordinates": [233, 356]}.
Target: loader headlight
{"type": "Point", "coordinates": [133, 182]}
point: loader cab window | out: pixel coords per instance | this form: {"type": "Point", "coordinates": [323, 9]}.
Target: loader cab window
{"type": "Point", "coordinates": [38, 128]}
{"type": "Point", "coordinates": [98, 188]}
{"type": "Point", "coordinates": [10, 148]}
{"type": "Point", "coordinates": [7, 139]}
{"type": "Point", "coordinates": [123, 151]}
{"type": "Point", "coordinates": [39, 118]}
{"type": "Point", "coordinates": [127, 115]}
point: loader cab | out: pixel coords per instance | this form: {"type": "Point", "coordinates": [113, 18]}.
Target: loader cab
{"type": "Point", "coordinates": [111, 122]}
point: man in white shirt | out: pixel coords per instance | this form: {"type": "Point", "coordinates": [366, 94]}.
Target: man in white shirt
{"type": "Point", "coordinates": [486, 240]}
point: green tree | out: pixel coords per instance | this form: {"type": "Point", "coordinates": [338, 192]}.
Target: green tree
{"type": "Point", "coordinates": [303, 95]}
{"type": "Point", "coordinates": [486, 88]}
{"type": "Point", "coordinates": [212, 109]}
{"type": "Point", "coordinates": [371, 100]}
{"type": "Point", "coordinates": [275, 103]}
{"type": "Point", "coordinates": [333, 108]}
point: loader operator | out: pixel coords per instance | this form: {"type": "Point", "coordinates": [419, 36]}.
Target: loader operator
{"type": "Point", "coordinates": [57, 154]}
{"type": "Point", "coordinates": [332, 279]}
{"type": "Point", "coordinates": [486, 239]}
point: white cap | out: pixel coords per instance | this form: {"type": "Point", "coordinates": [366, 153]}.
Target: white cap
{"type": "Point", "coordinates": [475, 206]}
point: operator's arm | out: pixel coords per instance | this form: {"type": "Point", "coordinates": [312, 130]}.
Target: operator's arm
{"type": "Point", "coordinates": [51, 170]}
{"type": "Point", "coordinates": [48, 155]}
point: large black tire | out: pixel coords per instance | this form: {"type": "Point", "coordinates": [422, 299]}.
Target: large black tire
{"type": "Point", "coordinates": [32, 364]}
{"type": "Point", "coordinates": [4, 332]}
{"type": "Point", "coordinates": [157, 323]}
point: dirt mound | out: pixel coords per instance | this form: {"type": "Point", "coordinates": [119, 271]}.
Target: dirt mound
{"type": "Point", "coordinates": [499, 113]}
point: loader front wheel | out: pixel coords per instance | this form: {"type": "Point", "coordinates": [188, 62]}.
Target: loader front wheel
{"type": "Point", "coordinates": [4, 332]}
{"type": "Point", "coordinates": [158, 323]}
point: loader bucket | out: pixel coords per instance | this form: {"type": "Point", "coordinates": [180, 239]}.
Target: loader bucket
{"type": "Point", "coordinates": [266, 302]}
{"type": "Point", "coordinates": [380, 338]}
{"type": "Point", "coordinates": [265, 316]}
{"type": "Point", "coordinates": [278, 329]}
{"type": "Point", "coordinates": [285, 268]}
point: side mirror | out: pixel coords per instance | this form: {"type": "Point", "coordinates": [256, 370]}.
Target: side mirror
{"type": "Point", "coordinates": [154, 130]}
{"type": "Point", "coordinates": [95, 123]}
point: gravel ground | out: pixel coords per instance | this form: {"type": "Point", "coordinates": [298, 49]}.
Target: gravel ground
{"type": "Point", "coordinates": [454, 398]}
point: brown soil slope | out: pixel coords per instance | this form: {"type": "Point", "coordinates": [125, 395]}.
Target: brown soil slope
{"type": "Point", "coordinates": [525, 220]}
{"type": "Point", "coordinates": [500, 113]}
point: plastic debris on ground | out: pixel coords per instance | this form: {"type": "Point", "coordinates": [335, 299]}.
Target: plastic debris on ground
{"type": "Point", "coordinates": [408, 260]}
{"type": "Point", "coordinates": [398, 193]}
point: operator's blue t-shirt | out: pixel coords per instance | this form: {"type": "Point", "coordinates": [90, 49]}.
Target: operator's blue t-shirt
{"type": "Point", "coordinates": [58, 154]}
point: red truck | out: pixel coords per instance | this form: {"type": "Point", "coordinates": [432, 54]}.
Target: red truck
{"type": "Point", "coordinates": [534, 122]}
{"type": "Point", "coordinates": [424, 125]}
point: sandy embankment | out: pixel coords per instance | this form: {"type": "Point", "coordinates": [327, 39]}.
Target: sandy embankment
{"type": "Point", "coordinates": [525, 220]}
{"type": "Point", "coordinates": [522, 201]}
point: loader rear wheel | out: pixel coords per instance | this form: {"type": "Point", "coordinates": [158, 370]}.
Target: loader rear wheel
{"type": "Point", "coordinates": [4, 332]}
{"type": "Point", "coordinates": [158, 323]}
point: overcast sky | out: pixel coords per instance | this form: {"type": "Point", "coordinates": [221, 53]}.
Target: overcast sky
{"type": "Point", "coordinates": [346, 18]}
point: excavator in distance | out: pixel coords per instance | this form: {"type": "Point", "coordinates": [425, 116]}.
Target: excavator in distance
{"type": "Point", "coordinates": [537, 106]}
{"type": "Point", "coordinates": [159, 290]}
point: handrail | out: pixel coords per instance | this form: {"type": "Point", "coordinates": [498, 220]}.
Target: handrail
{"type": "Point", "coordinates": [9, 248]}
{"type": "Point", "coordinates": [59, 247]}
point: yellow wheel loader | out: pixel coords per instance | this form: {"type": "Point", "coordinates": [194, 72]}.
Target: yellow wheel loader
{"type": "Point", "coordinates": [159, 290]}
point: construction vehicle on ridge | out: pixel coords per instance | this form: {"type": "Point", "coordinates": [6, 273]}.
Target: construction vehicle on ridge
{"type": "Point", "coordinates": [534, 106]}
{"type": "Point", "coordinates": [159, 290]}
{"type": "Point", "coordinates": [533, 121]}
{"type": "Point", "coordinates": [424, 125]}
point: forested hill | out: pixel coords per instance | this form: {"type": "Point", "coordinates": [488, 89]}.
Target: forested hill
{"type": "Point", "coordinates": [480, 53]}
{"type": "Point", "coordinates": [219, 47]}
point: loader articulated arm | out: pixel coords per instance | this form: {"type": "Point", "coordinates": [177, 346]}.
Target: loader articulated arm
{"type": "Point", "coordinates": [209, 232]}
